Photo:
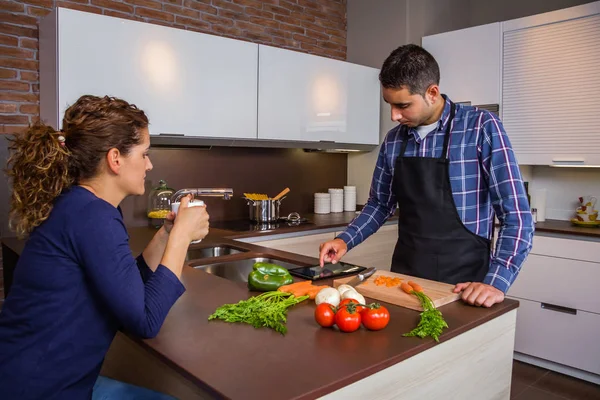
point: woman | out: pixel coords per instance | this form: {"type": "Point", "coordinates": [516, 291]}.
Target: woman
{"type": "Point", "coordinates": [76, 282]}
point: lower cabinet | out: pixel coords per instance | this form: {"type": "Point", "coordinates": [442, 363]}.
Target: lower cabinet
{"type": "Point", "coordinates": [564, 336]}
{"type": "Point", "coordinates": [376, 251]}
{"type": "Point", "coordinates": [559, 315]}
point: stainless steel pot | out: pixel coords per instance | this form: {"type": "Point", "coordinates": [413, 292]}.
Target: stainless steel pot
{"type": "Point", "coordinates": [264, 210]}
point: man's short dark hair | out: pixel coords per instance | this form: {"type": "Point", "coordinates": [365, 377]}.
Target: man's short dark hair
{"type": "Point", "coordinates": [410, 66]}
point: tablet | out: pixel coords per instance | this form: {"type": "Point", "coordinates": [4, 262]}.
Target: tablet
{"type": "Point", "coordinates": [328, 271]}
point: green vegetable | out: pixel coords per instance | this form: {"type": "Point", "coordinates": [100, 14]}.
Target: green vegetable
{"type": "Point", "coordinates": [432, 322]}
{"type": "Point", "coordinates": [267, 277]}
{"type": "Point", "coordinates": [266, 310]}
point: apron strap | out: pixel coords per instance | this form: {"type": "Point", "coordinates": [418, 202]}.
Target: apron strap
{"type": "Point", "coordinates": [448, 127]}
{"type": "Point", "coordinates": [404, 135]}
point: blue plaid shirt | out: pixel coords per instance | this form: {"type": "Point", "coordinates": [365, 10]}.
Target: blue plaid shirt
{"type": "Point", "coordinates": [484, 176]}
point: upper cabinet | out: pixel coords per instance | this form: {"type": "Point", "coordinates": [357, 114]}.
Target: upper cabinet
{"type": "Point", "coordinates": [469, 61]}
{"type": "Point", "coordinates": [188, 83]}
{"type": "Point", "coordinates": [550, 86]}
{"type": "Point", "coordinates": [307, 98]}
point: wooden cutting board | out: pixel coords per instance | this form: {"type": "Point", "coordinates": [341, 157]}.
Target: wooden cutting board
{"type": "Point", "coordinates": [440, 293]}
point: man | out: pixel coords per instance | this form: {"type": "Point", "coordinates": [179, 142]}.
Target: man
{"type": "Point", "coordinates": [447, 167]}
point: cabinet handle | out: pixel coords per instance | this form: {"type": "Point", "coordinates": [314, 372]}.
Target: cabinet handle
{"type": "Point", "coordinates": [553, 307]}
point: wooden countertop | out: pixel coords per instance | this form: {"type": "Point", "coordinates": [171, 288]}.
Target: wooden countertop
{"type": "Point", "coordinates": [306, 363]}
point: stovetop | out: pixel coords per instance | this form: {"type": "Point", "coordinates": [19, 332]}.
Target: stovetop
{"type": "Point", "coordinates": [245, 225]}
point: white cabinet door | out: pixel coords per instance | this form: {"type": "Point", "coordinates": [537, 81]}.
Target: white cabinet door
{"type": "Point", "coordinates": [469, 61]}
{"type": "Point", "coordinates": [188, 83]}
{"type": "Point", "coordinates": [377, 250]}
{"type": "Point", "coordinates": [303, 97]}
{"type": "Point", "coordinates": [554, 57]}
{"type": "Point", "coordinates": [305, 245]}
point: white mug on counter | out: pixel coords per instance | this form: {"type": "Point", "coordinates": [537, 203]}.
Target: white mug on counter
{"type": "Point", "coordinates": [192, 203]}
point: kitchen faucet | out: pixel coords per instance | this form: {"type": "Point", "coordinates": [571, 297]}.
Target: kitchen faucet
{"type": "Point", "coordinates": [225, 193]}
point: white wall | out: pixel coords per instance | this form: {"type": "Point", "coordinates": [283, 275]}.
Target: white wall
{"type": "Point", "coordinates": [376, 27]}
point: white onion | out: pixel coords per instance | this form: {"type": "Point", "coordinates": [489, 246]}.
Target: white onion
{"type": "Point", "coordinates": [328, 295]}
{"type": "Point", "coordinates": [353, 294]}
{"type": "Point", "coordinates": [343, 288]}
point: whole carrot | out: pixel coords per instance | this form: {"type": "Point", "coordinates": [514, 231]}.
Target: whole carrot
{"type": "Point", "coordinates": [415, 286]}
{"type": "Point", "coordinates": [406, 287]}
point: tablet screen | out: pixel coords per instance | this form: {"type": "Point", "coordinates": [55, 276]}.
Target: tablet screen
{"type": "Point", "coordinates": [328, 271]}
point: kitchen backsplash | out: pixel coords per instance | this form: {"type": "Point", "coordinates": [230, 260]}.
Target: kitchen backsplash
{"type": "Point", "coordinates": [246, 170]}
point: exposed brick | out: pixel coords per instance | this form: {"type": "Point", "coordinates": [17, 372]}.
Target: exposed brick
{"type": "Point", "coordinates": [249, 3]}
{"type": "Point", "coordinates": [16, 52]}
{"type": "Point", "coordinates": [331, 24]}
{"type": "Point", "coordinates": [199, 25]}
{"type": "Point", "coordinates": [285, 42]}
{"type": "Point", "coordinates": [173, 2]}
{"type": "Point", "coordinates": [309, 4]}
{"type": "Point", "coordinates": [311, 48]}
{"type": "Point", "coordinates": [79, 7]}
{"type": "Point", "coordinates": [38, 11]}
{"type": "Point", "coordinates": [15, 86]}
{"type": "Point", "coordinates": [333, 46]}
{"type": "Point", "coordinates": [304, 39]}
{"type": "Point", "coordinates": [8, 40]}
{"type": "Point", "coordinates": [227, 5]}
{"type": "Point", "coordinates": [259, 13]}
{"type": "Point", "coordinates": [146, 3]}
{"type": "Point", "coordinates": [80, 1]}
{"type": "Point", "coordinates": [213, 19]}
{"type": "Point", "coordinates": [276, 9]}
{"type": "Point", "coordinates": [29, 109]}
{"type": "Point", "coordinates": [154, 14]}
{"type": "Point", "coordinates": [335, 14]}
{"type": "Point", "coordinates": [260, 37]}
{"type": "Point", "coordinates": [264, 22]}
{"type": "Point", "coordinates": [117, 14]}
{"type": "Point", "coordinates": [35, 87]}
{"type": "Point", "coordinates": [279, 33]}
{"type": "Point", "coordinates": [18, 19]}
{"type": "Point", "coordinates": [29, 43]}
{"type": "Point", "coordinates": [41, 3]}
{"type": "Point", "coordinates": [19, 64]}
{"type": "Point", "coordinates": [200, 6]}
{"type": "Point", "coordinates": [29, 76]}
{"type": "Point", "coordinates": [14, 119]}
{"type": "Point", "coordinates": [336, 32]}
{"type": "Point", "coordinates": [12, 6]}
{"type": "Point", "coordinates": [291, 28]}
{"type": "Point", "coordinates": [113, 5]}
{"type": "Point", "coordinates": [249, 27]}
{"type": "Point", "coordinates": [19, 30]}
{"type": "Point", "coordinates": [7, 73]}
{"type": "Point", "coordinates": [231, 14]}
{"type": "Point", "coordinates": [230, 31]}
{"type": "Point", "coordinates": [8, 108]}
{"type": "Point", "coordinates": [303, 16]}
{"type": "Point", "coordinates": [338, 40]}
{"type": "Point", "coordinates": [188, 12]}
{"type": "Point", "coordinates": [291, 6]}
{"type": "Point", "coordinates": [316, 35]}
{"type": "Point", "coordinates": [11, 129]}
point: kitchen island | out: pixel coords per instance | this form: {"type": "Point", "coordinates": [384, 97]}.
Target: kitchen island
{"type": "Point", "coordinates": [195, 358]}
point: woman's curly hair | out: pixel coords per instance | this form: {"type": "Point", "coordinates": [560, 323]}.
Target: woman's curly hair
{"type": "Point", "coordinates": [44, 162]}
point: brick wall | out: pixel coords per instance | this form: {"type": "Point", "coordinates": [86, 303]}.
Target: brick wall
{"type": "Point", "coordinates": [311, 26]}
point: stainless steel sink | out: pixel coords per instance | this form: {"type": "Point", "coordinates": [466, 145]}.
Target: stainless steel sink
{"type": "Point", "coordinates": [216, 251]}
{"type": "Point", "coordinates": [239, 270]}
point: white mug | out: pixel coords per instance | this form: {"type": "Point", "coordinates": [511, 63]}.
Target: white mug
{"type": "Point", "coordinates": [192, 203]}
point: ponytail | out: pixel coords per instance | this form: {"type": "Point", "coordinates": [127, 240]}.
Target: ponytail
{"type": "Point", "coordinates": [39, 169]}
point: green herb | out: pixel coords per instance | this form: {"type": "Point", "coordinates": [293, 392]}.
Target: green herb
{"type": "Point", "coordinates": [266, 310]}
{"type": "Point", "coordinates": [432, 322]}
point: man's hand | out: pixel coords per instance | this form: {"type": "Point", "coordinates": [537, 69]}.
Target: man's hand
{"type": "Point", "coordinates": [479, 294]}
{"type": "Point", "coordinates": [332, 251]}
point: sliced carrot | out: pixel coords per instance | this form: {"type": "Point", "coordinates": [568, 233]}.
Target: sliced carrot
{"type": "Point", "coordinates": [416, 286]}
{"type": "Point", "coordinates": [406, 287]}
{"type": "Point", "coordinates": [295, 285]}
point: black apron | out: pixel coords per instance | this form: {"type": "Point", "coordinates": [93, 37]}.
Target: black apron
{"type": "Point", "coordinates": [433, 243]}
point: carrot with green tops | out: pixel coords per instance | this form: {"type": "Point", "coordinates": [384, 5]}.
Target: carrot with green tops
{"type": "Point", "coordinates": [406, 287]}
{"type": "Point", "coordinates": [415, 286]}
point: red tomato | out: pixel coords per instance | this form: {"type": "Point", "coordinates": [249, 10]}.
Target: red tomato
{"type": "Point", "coordinates": [324, 315]}
{"type": "Point", "coordinates": [346, 301]}
{"type": "Point", "coordinates": [375, 317]}
{"type": "Point", "coordinates": [347, 319]}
